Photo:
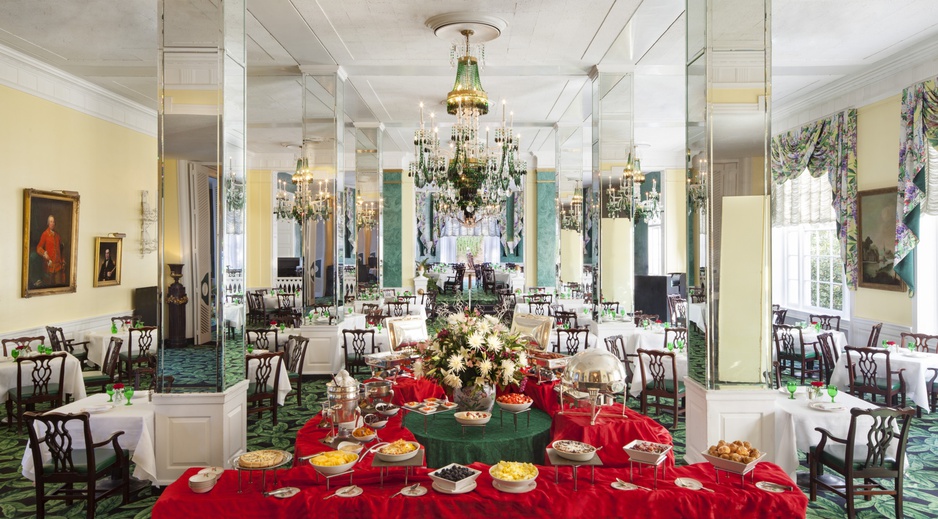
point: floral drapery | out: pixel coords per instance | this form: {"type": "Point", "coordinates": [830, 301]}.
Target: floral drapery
{"type": "Point", "coordinates": [918, 129]}
{"type": "Point", "coordinates": [826, 145]}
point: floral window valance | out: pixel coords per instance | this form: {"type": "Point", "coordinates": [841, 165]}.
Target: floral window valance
{"type": "Point", "coordinates": [918, 171]}
{"type": "Point", "coordinates": [829, 146]}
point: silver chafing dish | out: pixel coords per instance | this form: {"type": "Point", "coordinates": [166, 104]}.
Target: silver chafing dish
{"type": "Point", "coordinates": [592, 376]}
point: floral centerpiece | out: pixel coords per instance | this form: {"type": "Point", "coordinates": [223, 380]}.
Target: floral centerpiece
{"type": "Point", "coordinates": [469, 356]}
{"type": "Point", "coordinates": [816, 390]}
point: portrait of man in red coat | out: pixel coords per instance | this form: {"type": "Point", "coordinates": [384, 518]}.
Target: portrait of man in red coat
{"type": "Point", "coordinates": [50, 248]}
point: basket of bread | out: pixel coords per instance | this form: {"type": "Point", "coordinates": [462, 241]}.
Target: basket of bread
{"type": "Point", "coordinates": [739, 457]}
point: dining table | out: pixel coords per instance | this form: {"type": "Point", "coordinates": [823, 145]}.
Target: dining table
{"type": "Point", "coordinates": [796, 423]}
{"type": "Point", "coordinates": [917, 373]}
{"type": "Point", "coordinates": [680, 364]}
{"type": "Point", "coordinates": [98, 341]}
{"type": "Point", "coordinates": [697, 314]}
{"type": "Point", "coordinates": [136, 420]}
{"type": "Point", "coordinates": [73, 382]}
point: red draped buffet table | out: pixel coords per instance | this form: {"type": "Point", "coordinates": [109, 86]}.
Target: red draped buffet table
{"type": "Point", "coordinates": [407, 389]}
{"type": "Point", "coordinates": [548, 499]}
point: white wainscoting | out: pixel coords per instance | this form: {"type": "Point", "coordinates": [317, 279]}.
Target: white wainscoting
{"type": "Point", "coordinates": [198, 430]}
{"type": "Point", "coordinates": [72, 329]}
{"type": "Point", "coordinates": [323, 354]}
{"type": "Point", "coordinates": [857, 329]}
{"type": "Point", "coordinates": [728, 414]}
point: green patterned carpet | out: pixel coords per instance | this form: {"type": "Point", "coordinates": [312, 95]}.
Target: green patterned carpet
{"type": "Point", "coordinates": [17, 493]}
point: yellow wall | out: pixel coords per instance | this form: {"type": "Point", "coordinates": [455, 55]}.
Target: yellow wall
{"type": "Point", "coordinates": [675, 220]}
{"type": "Point", "coordinates": [46, 146]}
{"type": "Point", "coordinates": [172, 240]}
{"type": "Point", "coordinates": [259, 222]}
{"type": "Point", "coordinates": [878, 167]}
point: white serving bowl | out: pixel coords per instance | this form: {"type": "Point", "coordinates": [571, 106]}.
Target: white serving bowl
{"type": "Point", "coordinates": [455, 486]}
{"type": "Point", "coordinates": [514, 408]}
{"type": "Point", "coordinates": [366, 439]}
{"type": "Point", "coordinates": [562, 448]}
{"type": "Point", "coordinates": [646, 457]}
{"type": "Point", "coordinates": [337, 469]}
{"type": "Point", "coordinates": [353, 447]}
{"type": "Point", "coordinates": [735, 467]}
{"type": "Point", "coordinates": [387, 409]}
{"type": "Point", "coordinates": [462, 419]}
{"type": "Point", "coordinates": [513, 484]}
{"type": "Point", "coordinates": [394, 458]}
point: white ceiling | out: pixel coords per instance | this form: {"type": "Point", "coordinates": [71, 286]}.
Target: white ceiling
{"type": "Point", "coordinates": [539, 64]}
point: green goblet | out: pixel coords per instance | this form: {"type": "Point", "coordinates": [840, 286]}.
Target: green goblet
{"type": "Point", "coordinates": [792, 387]}
{"type": "Point", "coordinates": [128, 394]}
{"type": "Point", "coordinates": [110, 392]}
{"type": "Point", "coordinates": [832, 392]}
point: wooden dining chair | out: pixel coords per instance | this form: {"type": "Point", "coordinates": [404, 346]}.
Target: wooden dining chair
{"type": "Point", "coordinates": [672, 335]}
{"type": "Point", "coordinates": [296, 358]}
{"type": "Point", "coordinates": [779, 315]}
{"type": "Point", "coordinates": [264, 385]}
{"type": "Point", "coordinates": [566, 319]}
{"type": "Point", "coordinates": [865, 454]}
{"type": "Point", "coordinates": [539, 307]}
{"type": "Point", "coordinates": [793, 355]}
{"type": "Point", "coordinates": [108, 373]}
{"type": "Point", "coordinates": [389, 292]}
{"type": "Point", "coordinates": [928, 344]}
{"type": "Point", "coordinates": [429, 304]}
{"type": "Point", "coordinates": [287, 311]}
{"type": "Point", "coordinates": [397, 308]}
{"type": "Point", "coordinates": [659, 380]}
{"type": "Point", "coordinates": [76, 470]}
{"type": "Point", "coordinates": [256, 314]}
{"type": "Point", "coordinates": [355, 344]}
{"type": "Point", "coordinates": [616, 345]}
{"type": "Point", "coordinates": [873, 340]}
{"type": "Point", "coordinates": [572, 339]}
{"type": "Point", "coordinates": [40, 379]}
{"type": "Point", "coordinates": [611, 306]}
{"type": "Point", "coordinates": [828, 355]}
{"type": "Point", "coordinates": [263, 338]}
{"type": "Point", "coordinates": [867, 376]}
{"type": "Point", "coordinates": [828, 322]}
{"type": "Point", "coordinates": [679, 314]}
{"type": "Point", "coordinates": [29, 344]}
{"type": "Point", "coordinates": [59, 343]}
{"type": "Point", "coordinates": [142, 338]}
{"type": "Point", "coordinates": [129, 321]}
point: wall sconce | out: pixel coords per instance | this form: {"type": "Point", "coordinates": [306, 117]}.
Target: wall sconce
{"type": "Point", "coordinates": [148, 219]}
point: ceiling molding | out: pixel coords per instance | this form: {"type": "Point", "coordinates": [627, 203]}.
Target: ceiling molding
{"type": "Point", "coordinates": [885, 78]}
{"type": "Point", "coordinates": [29, 75]}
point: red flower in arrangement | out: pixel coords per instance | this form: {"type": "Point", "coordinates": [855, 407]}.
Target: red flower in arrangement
{"type": "Point", "coordinates": [817, 384]}
{"type": "Point", "coordinates": [119, 386]}
{"type": "Point", "coordinates": [891, 343]}
{"type": "Point", "coordinates": [657, 321]}
{"type": "Point", "coordinates": [442, 334]}
{"type": "Point", "coordinates": [273, 323]}
{"type": "Point", "coordinates": [21, 348]}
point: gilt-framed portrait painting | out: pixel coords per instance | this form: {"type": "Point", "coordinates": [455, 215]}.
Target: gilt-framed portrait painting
{"type": "Point", "coordinates": [50, 242]}
{"type": "Point", "coordinates": [107, 261]}
{"type": "Point", "coordinates": [877, 229]}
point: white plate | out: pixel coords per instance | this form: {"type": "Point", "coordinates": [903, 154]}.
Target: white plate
{"type": "Point", "coordinates": [343, 491]}
{"type": "Point", "coordinates": [829, 407]}
{"type": "Point", "coordinates": [800, 391]}
{"type": "Point", "coordinates": [442, 490]}
{"type": "Point", "coordinates": [95, 409]}
{"type": "Point", "coordinates": [690, 483]}
{"type": "Point", "coordinates": [515, 490]}
{"type": "Point", "coordinates": [215, 472]}
{"type": "Point", "coordinates": [286, 492]}
{"type": "Point", "coordinates": [623, 486]}
{"type": "Point", "coordinates": [769, 487]}
{"type": "Point", "coordinates": [417, 492]}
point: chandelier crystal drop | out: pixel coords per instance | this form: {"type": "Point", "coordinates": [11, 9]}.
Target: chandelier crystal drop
{"type": "Point", "coordinates": [366, 214]}
{"type": "Point", "coordinates": [471, 181]}
{"type": "Point", "coordinates": [311, 200]}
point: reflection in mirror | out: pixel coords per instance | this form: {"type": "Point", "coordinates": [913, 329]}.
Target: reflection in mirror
{"type": "Point", "coordinates": [368, 207]}
{"type": "Point", "coordinates": [201, 148]}
{"type": "Point", "coordinates": [572, 211]}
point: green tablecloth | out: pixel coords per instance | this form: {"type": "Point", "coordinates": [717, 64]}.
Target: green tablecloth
{"type": "Point", "coordinates": [445, 442]}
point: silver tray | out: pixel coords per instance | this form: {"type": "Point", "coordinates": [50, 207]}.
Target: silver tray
{"type": "Point", "coordinates": [548, 363]}
{"type": "Point", "coordinates": [390, 359]}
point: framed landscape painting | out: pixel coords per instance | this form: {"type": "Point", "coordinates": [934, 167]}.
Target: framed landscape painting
{"type": "Point", "coordinates": [877, 227]}
{"type": "Point", "coordinates": [107, 261]}
{"type": "Point", "coordinates": [50, 242]}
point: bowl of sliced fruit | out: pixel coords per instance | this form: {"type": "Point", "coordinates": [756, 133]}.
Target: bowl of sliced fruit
{"type": "Point", "coordinates": [364, 434]}
{"type": "Point", "coordinates": [647, 452]}
{"type": "Point", "coordinates": [473, 417]}
{"type": "Point", "coordinates": [514, 402]}
{"type": "Point", "coordinates": [333, 462]}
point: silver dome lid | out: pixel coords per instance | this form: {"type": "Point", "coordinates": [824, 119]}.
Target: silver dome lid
{"type": "Point", "coordinates": [595, 368]}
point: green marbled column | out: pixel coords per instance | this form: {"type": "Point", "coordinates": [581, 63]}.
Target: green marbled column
{"type": "Point", "coordinates": [392, 229]}
{"type": "Point", "coordinates": [546, 229]}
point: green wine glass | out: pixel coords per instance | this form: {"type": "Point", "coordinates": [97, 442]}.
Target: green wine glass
{"type": "Point", "coordinates": [792, 387]}
{"type": "Point", "coordinates": [15, 353]}
{"type": "Point", "coordinates": [680, 345]}
{"type": "Point", "coordinates": [250, 349]}
{"type": "Point", "coordinates": [670, 346]}
{"type": "Point", "coordinates": [128, 394]}
{"type": "Point", "coordinates": [911, 348]}
{"type": "Point", "coordinates": [110, 392]}
{"type": "Point", "coordinates": [832, 392]}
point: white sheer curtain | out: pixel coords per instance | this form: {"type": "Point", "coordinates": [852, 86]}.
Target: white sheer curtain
{"type": "Point", "coordinates": [802, 200]}
{"type": "Point", "coordinates": [931, 192]}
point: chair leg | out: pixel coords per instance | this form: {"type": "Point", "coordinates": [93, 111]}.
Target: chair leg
{"type": "Point", "coordinates": [898, 496]}
{"type": "Point", "coordinates": [299, 391]}
{"type": "Point", "coordinates": [9, 413]}
{"type": "Point", "coordinates": [40, 501]}
{"type": "Point", "coordinates": [851, 507]}
{"type": "Point", "coordinates": [274, 409]}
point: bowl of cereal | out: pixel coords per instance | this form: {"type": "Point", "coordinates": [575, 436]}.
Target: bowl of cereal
{"type": "Point", "coordinates": [513, 476]}
{"type": "Point", "coordinates": [399, 450]}
{"type": "Point", "coordinates": [333, 462]}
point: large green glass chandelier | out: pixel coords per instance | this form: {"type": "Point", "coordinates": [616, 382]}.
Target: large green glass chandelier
{"type": "Point", "coordinates": [473, 183]}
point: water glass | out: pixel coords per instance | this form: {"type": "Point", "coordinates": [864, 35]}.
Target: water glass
{"type": "Point", "coordinates": [832, 392]}
{"type": "Point", "coordinates": [792, 387]}
{"type": "Point", "coordinates": [110, 392]}
{"type": "Point", "coordinates": [128, 394]}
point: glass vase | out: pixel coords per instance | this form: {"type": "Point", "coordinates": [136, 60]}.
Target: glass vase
{"type": "Point", "coordinates": [475, 398]}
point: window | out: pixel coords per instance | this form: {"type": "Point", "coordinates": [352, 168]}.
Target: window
{"type": "Point", "coordinates": [808, 264]}
{"type": "Point", "coordinates": [655, 247]}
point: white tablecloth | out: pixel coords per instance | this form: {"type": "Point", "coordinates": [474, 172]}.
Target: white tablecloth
{"type": "Point", "coordinates": [271, 303]}
{"type": "Point", "coordinates": [795, 425]}
{"type": "Point", "coordinates": [649, 339]}
{"type": "Point", "coordinates": [810, 335]}
{"type": "Point", "coordinates": [98, 341]}
{"type": "Point", "coordinates": [591, 339]}
{"type": "Point", "coordinates": [73, 382]}
{"type": "Point", "coordinates": [608, 328]}
{"type": "Point", "coordinates": [680, 362]}
{"type": "Point", "coordinates": [234, 315]}
{"type": "Point", "coordinates": [916, 374]}
{"type": "Point", "coordinates": [136, 420]}
{"type": "Point", "coordinates": [697, 314]}
{"type": "Point", "coordinates": [283, 385]}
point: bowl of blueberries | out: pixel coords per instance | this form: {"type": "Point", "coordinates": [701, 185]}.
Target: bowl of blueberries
{"type": "Point", "coordinates": [454, 479]}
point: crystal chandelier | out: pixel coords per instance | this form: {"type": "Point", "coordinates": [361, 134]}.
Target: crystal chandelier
{"type": "Point", "coordinates": [366, 214]}
{"type": "Point", "coordinates": [625, 201]}
{"type": "Point", "coordinates": [311, 199]}
{"type": "Point", "coordinates": [571, 215]}
{"type": "Point", "coordinates": [697, 187]}
{"type": "Point", "coordinates": [471, 182]}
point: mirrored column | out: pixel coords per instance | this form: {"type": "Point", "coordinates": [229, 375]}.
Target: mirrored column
{"type": "Point", "coordinates": [201, 211]}
{"type": "Point", "coordinates": [368, 204]}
